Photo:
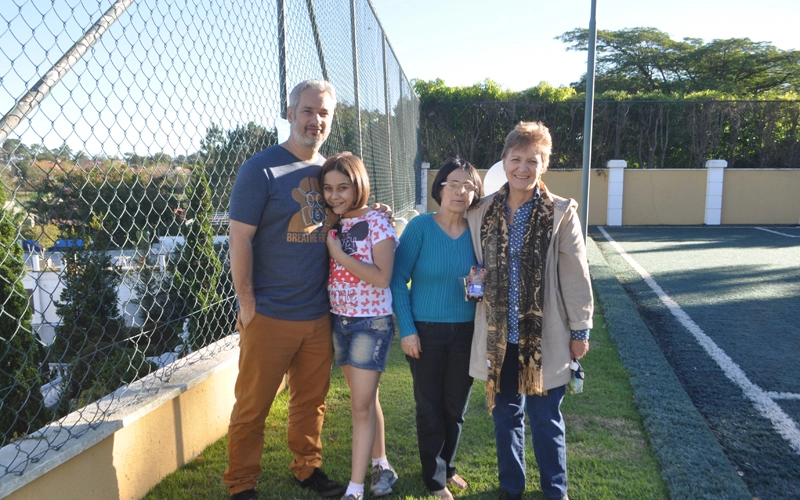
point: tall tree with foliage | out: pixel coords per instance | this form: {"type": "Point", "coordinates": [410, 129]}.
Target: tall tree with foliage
{"type": "Point", "coordinates": [88, 305]}
{"type": "Point", "coordinates": [198, 267]}
{"type": "Point", "coordinates": [645, 60]}
{"type": "Point", "coordinates": [21, 406]}
{"type": "Point", "coordinates": [92, 337]}
{"type": "Point", "coordinates": [223, 152]}
{"type": "Point", "coordinates": [13, 148]}
{"type": "Point", "coordinates": [129, 203]}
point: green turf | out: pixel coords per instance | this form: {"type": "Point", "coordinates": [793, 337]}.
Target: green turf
{"type": "Point", "coordinates": [736, 284]}
{"type": "Point", "coordinates": [609, 455]}
{"type": "Point", "coordinates": [694, 465]}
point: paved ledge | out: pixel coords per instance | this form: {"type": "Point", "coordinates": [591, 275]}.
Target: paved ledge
{"type": "Point", "coordinates": [61, 441]}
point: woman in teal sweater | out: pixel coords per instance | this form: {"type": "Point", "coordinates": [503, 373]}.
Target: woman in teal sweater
{"type": "Point", "coordinates": [436, 322]}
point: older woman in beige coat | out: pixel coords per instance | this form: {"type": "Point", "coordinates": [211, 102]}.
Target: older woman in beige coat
{"type": "Point", "coordinates": [536, 314]}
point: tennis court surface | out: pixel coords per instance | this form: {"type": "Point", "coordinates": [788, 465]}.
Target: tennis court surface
{"type": "Point", "coordinates": [723, 305]}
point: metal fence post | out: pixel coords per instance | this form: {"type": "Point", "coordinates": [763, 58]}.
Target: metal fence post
{"type": "Point", "coordinates": [587, 122]}
{"type": "Point", "coordinates": [41, 89]}
{"type": "Point", "coordinates": [312, 15]}
{"type": "Point", "coordinates": [282, 57]}
{"type": "Point", "coordinates": [388, 116]}
{"type": "Point", "coordinates": [353, 27]}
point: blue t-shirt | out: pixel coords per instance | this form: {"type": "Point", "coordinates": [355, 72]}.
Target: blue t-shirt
{"type": "Point", "coordinates": [280, 195]}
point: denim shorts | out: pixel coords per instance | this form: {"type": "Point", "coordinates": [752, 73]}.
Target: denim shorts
{"type": "Point", "coordinates": [362, 342]}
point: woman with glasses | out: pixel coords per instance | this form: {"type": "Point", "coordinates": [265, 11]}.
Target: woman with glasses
{"type": "Point", "coordinates": [536, 314]}
{"type": "Point", "coordinates": [436, 321]}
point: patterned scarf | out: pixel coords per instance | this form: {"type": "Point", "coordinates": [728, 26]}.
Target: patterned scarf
{"type": "Point", "coordinates": [495, 244]}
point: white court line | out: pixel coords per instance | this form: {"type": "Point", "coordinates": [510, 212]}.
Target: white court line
{"type": "Point", "coordinates": [761, 399]}
{"type": "Point", "coordinates": [777, 232]}
{"type": "Point", "coordinates": [783, 395]}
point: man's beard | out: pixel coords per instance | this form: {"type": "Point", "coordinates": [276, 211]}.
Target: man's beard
{"type": "Point", "coordinates": [309, 141]}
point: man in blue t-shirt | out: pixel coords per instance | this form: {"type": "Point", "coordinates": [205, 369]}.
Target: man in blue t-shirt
{"type": "Point", "coordinates": [279, 263]}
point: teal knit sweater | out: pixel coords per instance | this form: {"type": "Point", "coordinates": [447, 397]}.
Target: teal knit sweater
{"type": "Point", "coordinates": [435, 264]}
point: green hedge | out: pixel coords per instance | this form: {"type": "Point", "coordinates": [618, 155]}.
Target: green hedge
{"type": "Point", "coordinates": [647, 130]}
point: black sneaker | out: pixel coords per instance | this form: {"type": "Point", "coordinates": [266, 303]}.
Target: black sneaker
{"type": "Point", "coordinates": [245, 495]}
{"type": "Point", "coordinates": [320, 483]}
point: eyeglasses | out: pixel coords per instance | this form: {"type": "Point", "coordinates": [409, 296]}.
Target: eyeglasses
{"type": "Point", "coordinates": [468, 186]}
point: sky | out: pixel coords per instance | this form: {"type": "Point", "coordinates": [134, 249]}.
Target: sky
{"type": "Point", "coordinates": [152, 84]}
{"type": "Point", "coordinates": [512, 41]}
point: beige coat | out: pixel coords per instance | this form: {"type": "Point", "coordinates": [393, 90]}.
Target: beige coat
{"type": "Point", "coordinates": [568, 303]}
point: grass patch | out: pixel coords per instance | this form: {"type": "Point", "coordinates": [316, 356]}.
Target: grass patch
{"type": "Point", "coordinates": [608, 452]}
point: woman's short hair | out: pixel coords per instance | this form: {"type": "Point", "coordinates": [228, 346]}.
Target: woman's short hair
{"type": "Point", "coordinates": [445, 170]}
{"type": "Point", "coordinates": [527, 134]}
{"type": "Point", "coordinates": [352, 167]}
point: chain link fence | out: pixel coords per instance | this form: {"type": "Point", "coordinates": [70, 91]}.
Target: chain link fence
{"type": "Point", "coordinates": [126, 124]}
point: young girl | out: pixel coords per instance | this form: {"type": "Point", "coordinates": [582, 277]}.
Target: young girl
{"type": "Point", "coordinates": [361, 247]}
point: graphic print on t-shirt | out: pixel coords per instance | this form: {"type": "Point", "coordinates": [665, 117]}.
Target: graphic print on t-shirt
{"type": "Point", "coordinates": [350, 239]}
{"type": "Point", "coordinates": [349, 295]}
{"type": "Point", "coordinates": [307, 225]}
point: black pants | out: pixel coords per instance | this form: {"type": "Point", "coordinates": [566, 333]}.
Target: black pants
{"type": "Point", "coordinates": [441, 389]}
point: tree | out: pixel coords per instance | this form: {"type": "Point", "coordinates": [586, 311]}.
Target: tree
{"type": "Point", "coordinates": [63, 152]}
{"type": "Point", "coordinates": [35, 150]}
{"type": "Point", "coordinates": [88, 305]}
{"type": "Point", "coordinates": [41, 153]}
{"type": "Point", "coordinates": [159, 158]}
{"type": "Point", "coordinates": [198, 267]}
{"type": "Point", "coordinates": [79, 155]}
{"type": "Point", "coordinates": [223, 153]}
{"type": "Point", "coordinates": [92, 337]}
{"type": "Point", "coordinates": [134, 160]}
{"type": "Point", "coordinates": [13, 148]}
{"type": "Point", "coordinates": [646, 60]}
{"type": "Point", "coordinates": [125, 202]}
{"type": "Point", "coordinates": [21, 405]}
{"type": "Point", "coordinates": [743, 67]}
{"type": "Point", "coordinates": [33, 177]}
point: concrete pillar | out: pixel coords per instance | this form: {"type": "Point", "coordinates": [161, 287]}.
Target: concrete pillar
{"type": "Point", "coordinates": [423, 188]}
{"type": "Point", "coordinates": [616, 181]}
{"type": "Point", "coordinates": [716, 172]}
